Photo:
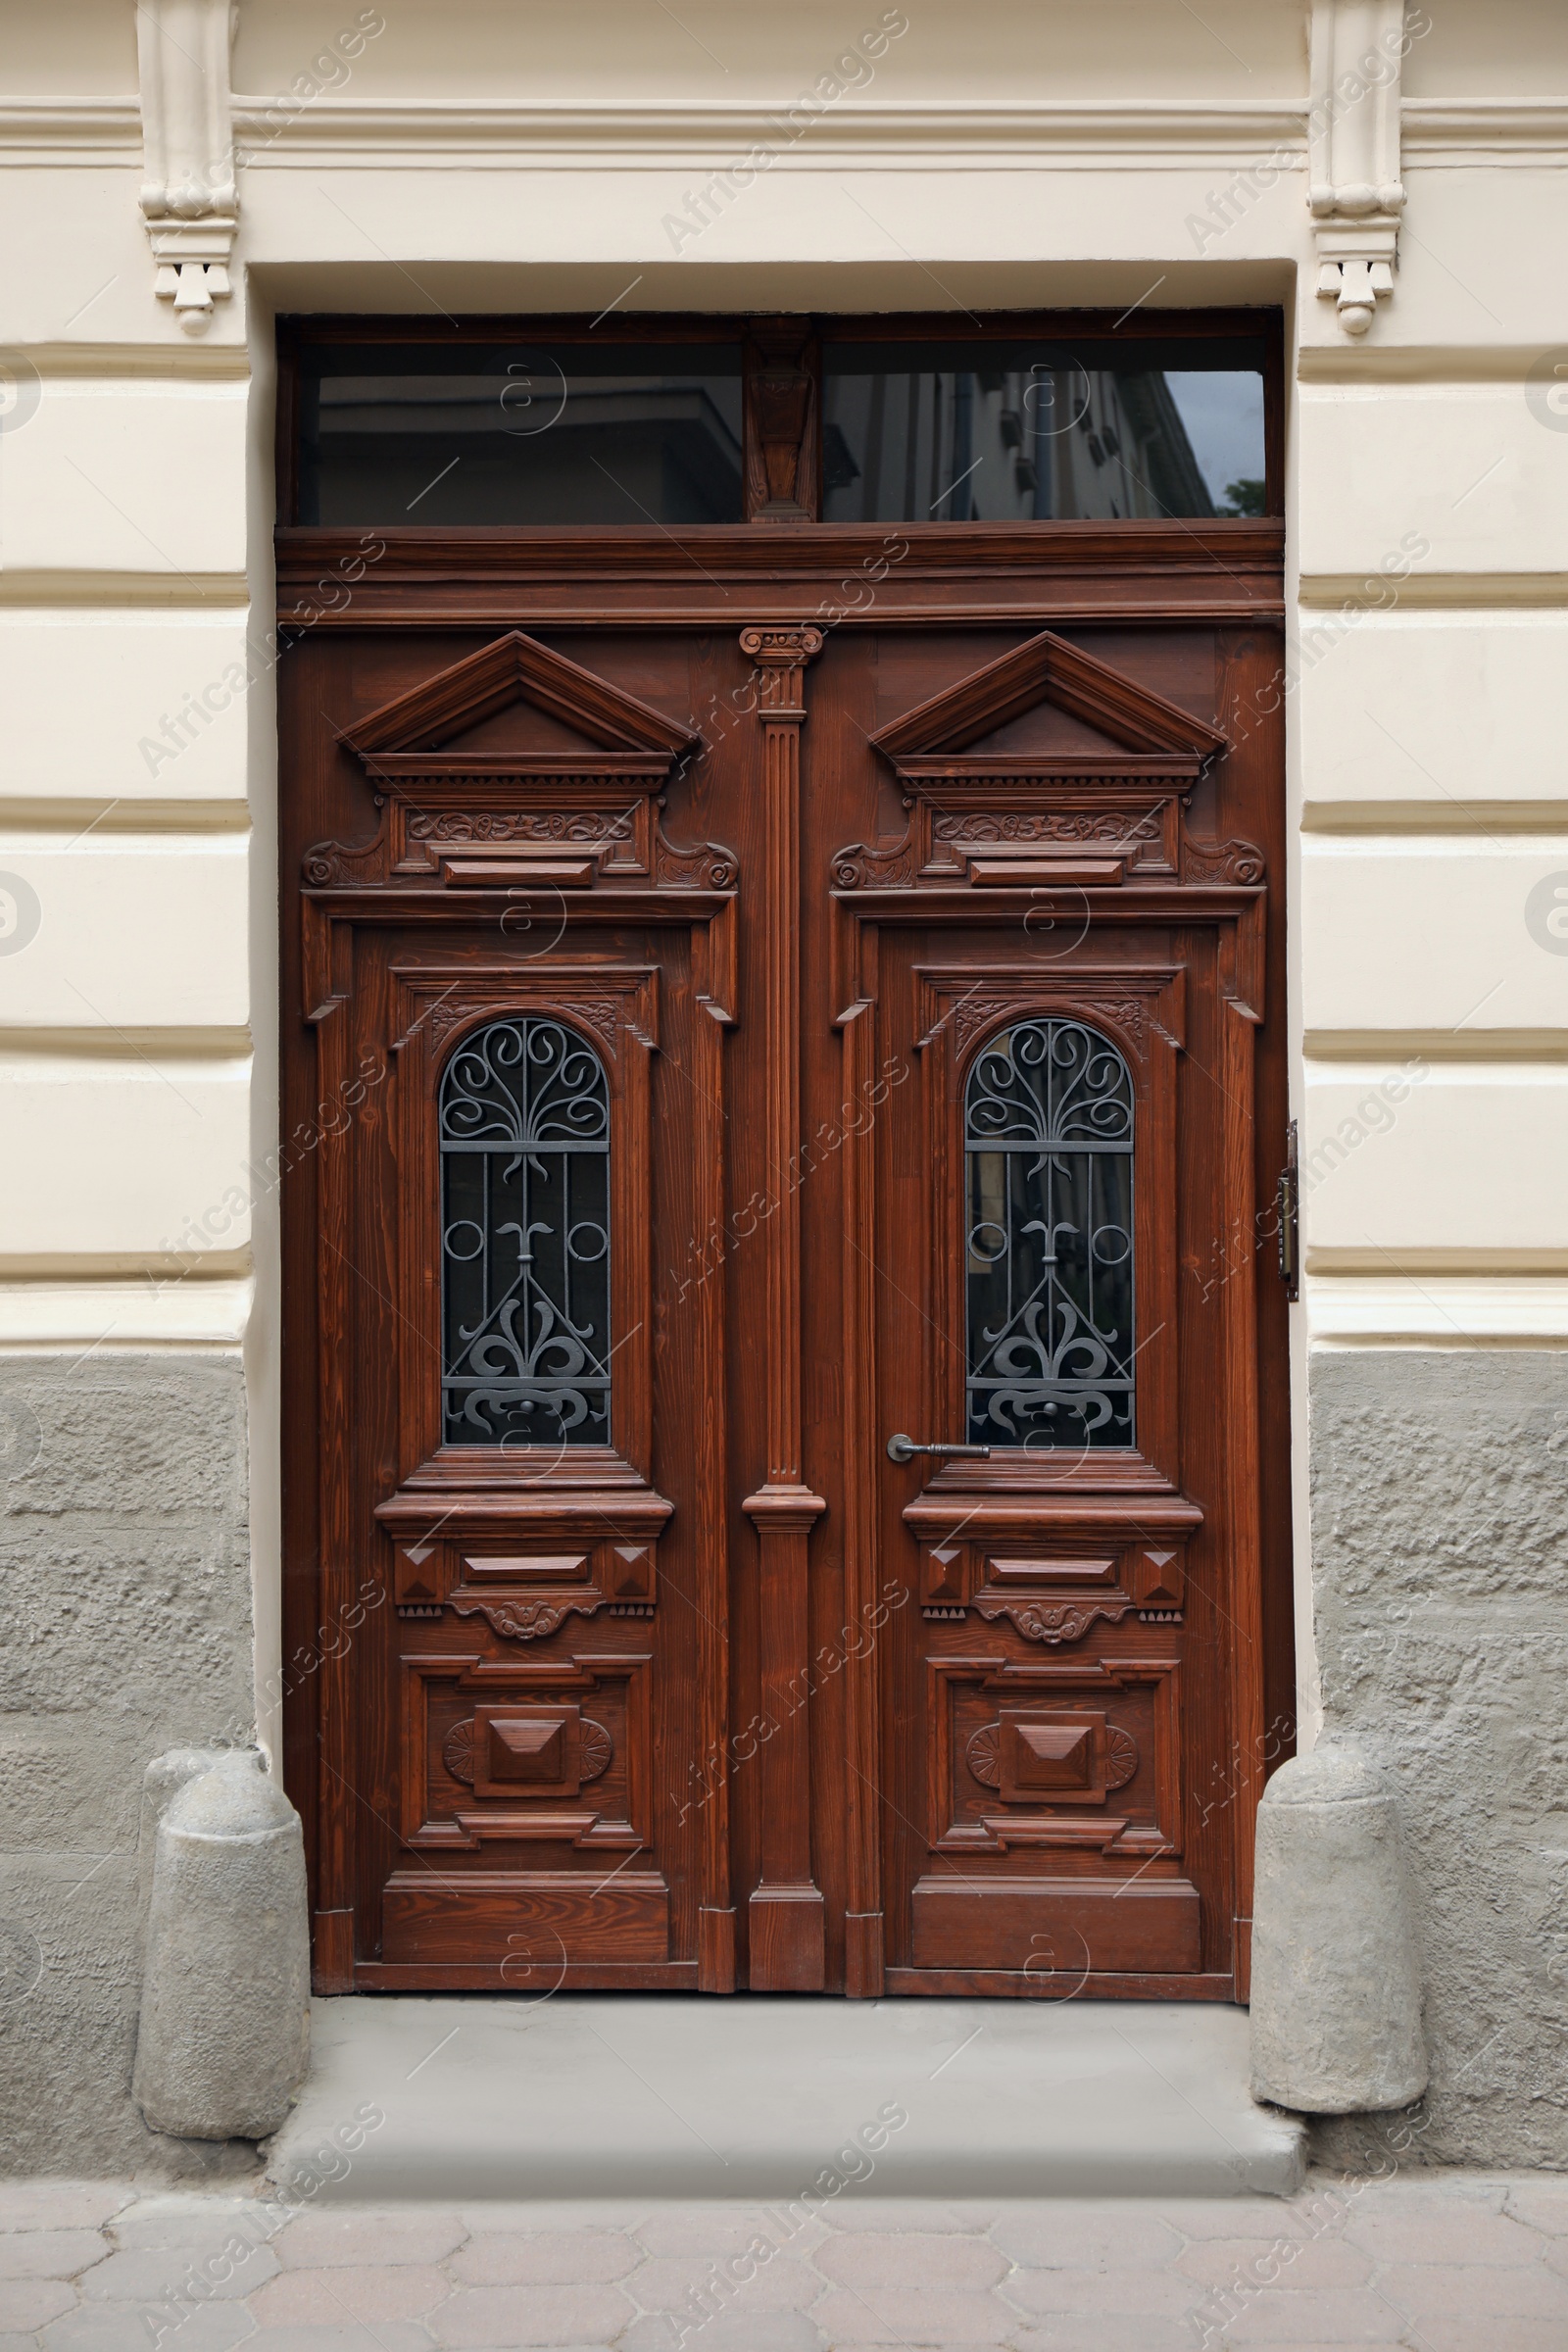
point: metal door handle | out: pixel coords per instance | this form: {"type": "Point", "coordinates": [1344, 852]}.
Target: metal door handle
{"type": "Point", "coordinates": [903, 1450]}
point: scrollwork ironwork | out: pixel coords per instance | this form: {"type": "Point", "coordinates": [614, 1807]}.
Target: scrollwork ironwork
{"type": "Point", "coordinates": [1049, 1154]}
{"type": "Point", "coordinates": [524, 1136]}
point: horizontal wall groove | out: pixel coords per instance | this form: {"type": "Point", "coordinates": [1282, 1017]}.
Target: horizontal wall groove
{"type": "Point", "coordinates": [1511, 1047]}
{"type": "Point", "coordinates": [1435, 591]}
{"type": "Point", "coordinates": [122, 590]}
{"type": "Point", "coordinates": [1400, 820]}
{"type": "Point", "coordinates": [79, 822]}
{"type": "Point", "coordinates": [222, 1047]}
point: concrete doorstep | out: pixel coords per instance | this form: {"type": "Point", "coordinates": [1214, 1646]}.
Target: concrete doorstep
{"type": "Point", "coordinates": [604, 2096]}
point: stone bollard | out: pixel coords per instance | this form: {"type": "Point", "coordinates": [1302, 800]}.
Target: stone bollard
{"type": "Point", "coordinates": [223, 2041]}
{"type": "Point", "coordinates": [1336, 2026]}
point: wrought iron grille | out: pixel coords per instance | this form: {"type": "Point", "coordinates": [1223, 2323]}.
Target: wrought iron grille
{"type": "Point", "coordinates": [524, 1127]}
{"type": "Point", "coordinates": [1049, 1277]}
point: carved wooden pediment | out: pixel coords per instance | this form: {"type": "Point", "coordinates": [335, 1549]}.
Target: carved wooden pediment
{"type": "Point", "coordinates": [1112, 724]}
{"type": "Point", "coordinates": [592, 728]}
{"type": "Point", "coordinates": [1044, 769]}
{"type": "Point", "coordinates": [517, 767]}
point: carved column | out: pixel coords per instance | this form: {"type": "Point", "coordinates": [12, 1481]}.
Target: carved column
{"type": "Point", "coordinates": [785, 1913]}
{"type": "Point", "coordinates": [1355, 189]}
{"type": "Point", "coordinates": [188, 196]}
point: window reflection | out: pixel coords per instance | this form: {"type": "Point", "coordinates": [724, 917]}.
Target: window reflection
{"type": "Point", "coordinates": [972, 432]}
{"type": "Point", "coordinates": [520, 434]}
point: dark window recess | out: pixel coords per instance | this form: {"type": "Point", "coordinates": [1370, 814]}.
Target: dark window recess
{"type": "Point", "coordinates": [1037, 431]}
{"type": "Point", "coordinates": [518, 433]}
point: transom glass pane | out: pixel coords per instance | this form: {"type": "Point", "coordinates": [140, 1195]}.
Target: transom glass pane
{"type": "Point", "coordinates": [1049, 1243]}
{"type": "Point", "coordinates": [519, 433]}
{"type": "Point", "coordinates": [993, 431]}
{"type": "Point", "coordinates": [524, 1126]}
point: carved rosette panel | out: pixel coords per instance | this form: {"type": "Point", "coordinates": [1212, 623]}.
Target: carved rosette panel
{"type": "Point", "coordinates": [457, 1751]}
{"type": "Point", "coordinates": [983, 1755]}
{"type": "Point", "coordinates": [1121, 1756]}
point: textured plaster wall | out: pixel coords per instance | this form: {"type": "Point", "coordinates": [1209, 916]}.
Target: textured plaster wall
{"type": "Point", "coordinates": [124, 1566]}
{"type": "Point", "coordinates": [1440, 1542]}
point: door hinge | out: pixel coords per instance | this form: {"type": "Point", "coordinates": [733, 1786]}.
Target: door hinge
{"type": "Point", "coordinates": [1288, 1203]}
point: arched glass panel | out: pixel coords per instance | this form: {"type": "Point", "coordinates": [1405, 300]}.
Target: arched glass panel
{"type": "Point", "coordinates": [1049, 1246]}
{"type": "Point", "coordinates": [524, 1125]}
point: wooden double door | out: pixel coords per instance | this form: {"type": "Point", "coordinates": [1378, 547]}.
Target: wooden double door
{"type": "Point", "coordinates": [739, 1044]}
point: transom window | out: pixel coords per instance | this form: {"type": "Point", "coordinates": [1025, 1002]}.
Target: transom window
{"type": "Point", "coordinates": [525, 1128]}
{"type": "Point", "coordinates": [1049, 1245]}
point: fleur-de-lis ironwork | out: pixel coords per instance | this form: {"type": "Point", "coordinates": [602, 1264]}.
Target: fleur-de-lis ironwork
{"type": "Point", "coordinates": [1049, 1168]}
{"type": "Point", "coordinates": [524, 1133]}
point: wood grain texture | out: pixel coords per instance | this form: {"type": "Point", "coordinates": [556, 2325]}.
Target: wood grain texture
{"type": "Point", "coordinates": [792, 936]}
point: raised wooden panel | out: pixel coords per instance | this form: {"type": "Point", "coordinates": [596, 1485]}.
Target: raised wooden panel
{"type": "Point", "coordinates": [1055, 1933]}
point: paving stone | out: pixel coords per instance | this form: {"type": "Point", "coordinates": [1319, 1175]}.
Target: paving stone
{"type": "Point", "coordinates": [1160, 2292]}
{"type": "Point", "coordinates": [1501, 2335]}
{"type": "Point", "coordinates": [1291, 2262]}
{"type": "Point", "coordinates": [32, 2302]}
{"type": "Point", "coordinates": [878, 2315]}
{"type": "Point", "coordinates": [408, 2234]}
{"type": "Point", "coordinates": [505, 2315]}
{"type": "Point", "coordinates": [1484, 2288]}
{"type": "Point", "coordinates": [1108, 2331]}
{"type": "Point", "coordinates": [726, 2228]}
{"type": "Point", "coordinates": [577, 2213]}
{"type": "Point", "coordinates": [61, 2204]}
{"type": "Point", "coordinates": [116, 2327]}
{"type": "Point", "coordinates": [1232, 2217]}
{"type": "Point", "coordinates": [1071, 2236]}
{"type": "Point", "coordinates": [342, 2293]}
{"type": "Point", "coordinates": [911, 2258]}
{"type": "Point", "coordinates": [668, 2281]}
{"type": "Point", "coordinates": [1352, 2314]}
{"type": "Point", "coordinates": [552, 2256]}
{"type": "Point", "coordinates": [391, 2335]}
{"type": "Point", "coordinates": [147, 2274]}
{"type": "Point", "coordinates": [50, 2253]}
{"type": "Point", "coordinates": [182, 2218]}
{"type": "Point", "coordinates": [1457, 2232]}
{"type": "Point", "coordinates": [1540, 2204]}
{"type": "Point", "coordinates": [747, 2331]}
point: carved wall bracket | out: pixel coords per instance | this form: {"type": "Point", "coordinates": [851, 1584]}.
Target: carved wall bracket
{"type": "Point", "coordinates": [1354, 188]}
{"type": "Point", "coordinates": [188, 198]}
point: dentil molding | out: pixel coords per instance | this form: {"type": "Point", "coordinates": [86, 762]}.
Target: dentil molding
{"type": "Point", "coordinates": [188, 196]}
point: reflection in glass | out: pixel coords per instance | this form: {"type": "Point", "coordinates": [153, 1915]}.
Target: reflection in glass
{"type": "Point", "coordinates": [459, 433]}
{"type": "Point", "coordinates": [1049, 1239]}
{"type": "Point", "coordinates": [524, 1129]}
{"type": "Point", "coordinates": [1035, 432]}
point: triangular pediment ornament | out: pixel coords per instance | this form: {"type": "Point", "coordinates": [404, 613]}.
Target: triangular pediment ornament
{"type": "Point", "coordinates": [606, 732]}
{"type": "Point", "coordinates": [1133, 731]}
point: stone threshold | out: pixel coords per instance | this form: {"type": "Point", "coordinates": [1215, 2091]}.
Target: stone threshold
{"type": "Point", "coordinates": [588, 2095]}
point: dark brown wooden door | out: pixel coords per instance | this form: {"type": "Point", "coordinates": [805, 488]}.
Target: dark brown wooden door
{"type": "Point", "coordinates": [730, 1025]}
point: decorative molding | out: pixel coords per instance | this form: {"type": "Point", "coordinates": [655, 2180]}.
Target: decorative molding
{"type": "Point", "coordinates": [1354, 191]}
{"type": "Point", "coordinates": [188, 198]}
{"type": "Point", "coordinates": [1056, 1621]}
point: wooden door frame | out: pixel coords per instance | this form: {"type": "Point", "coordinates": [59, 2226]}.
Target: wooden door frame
{"type": "Point", "coordinates": [793, 577]}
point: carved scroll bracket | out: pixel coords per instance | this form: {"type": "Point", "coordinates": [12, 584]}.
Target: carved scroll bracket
{"type": "Point", "coordinates": [1355, 189]}
{"type": "Point", "coordinates": [188, 196]}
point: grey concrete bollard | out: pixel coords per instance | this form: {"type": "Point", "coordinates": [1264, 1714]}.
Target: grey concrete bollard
{"type": "Point", "coordinates": [222, 2043]}
{"type": "Point", "coordinates": [1335, 1997]}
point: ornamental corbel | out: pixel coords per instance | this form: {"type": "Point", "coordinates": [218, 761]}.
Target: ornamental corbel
{"type": "Point", "coordinates": [188, 196]}
{"type": "Point", "coordinates": [1353, 189]}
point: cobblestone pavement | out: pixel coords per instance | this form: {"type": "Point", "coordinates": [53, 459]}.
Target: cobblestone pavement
{"type": "Point", "coordinates": [1453, 2261]}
